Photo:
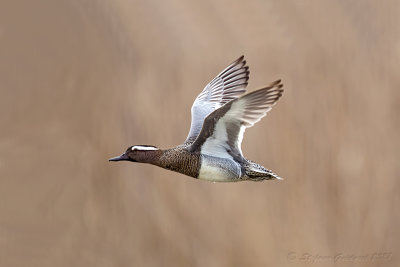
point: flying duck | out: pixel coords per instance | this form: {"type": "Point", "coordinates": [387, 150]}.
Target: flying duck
{"type": "Point", "coordinates": [220, 115]}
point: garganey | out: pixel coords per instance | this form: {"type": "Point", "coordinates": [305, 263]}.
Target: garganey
{"type": "Point", "coordinates": [220, 115]}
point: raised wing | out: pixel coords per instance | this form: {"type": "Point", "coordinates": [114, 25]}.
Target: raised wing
{"type": "Point", "coordinates": [228, 85]}
{"type": "Point", "coordinates": [223, 129]}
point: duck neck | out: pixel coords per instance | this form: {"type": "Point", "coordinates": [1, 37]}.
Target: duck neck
{"type": "Point", "coordinates": [151, 156]}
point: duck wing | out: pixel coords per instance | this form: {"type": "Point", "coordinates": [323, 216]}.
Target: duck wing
{"type": "Point", "coordinates": [228, 85]}
{"type": "Point", "coordinates": [222, 131]}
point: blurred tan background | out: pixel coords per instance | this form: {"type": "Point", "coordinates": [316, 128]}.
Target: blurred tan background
{"type": "Point", "coordinates": [80, 81]}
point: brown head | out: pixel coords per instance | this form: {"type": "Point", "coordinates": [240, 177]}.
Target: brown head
{"type": "Point", "coordinates": [142, 153]}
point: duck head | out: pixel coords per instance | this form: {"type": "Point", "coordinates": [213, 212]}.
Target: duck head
{"type": "Point", "coordinates": [140, 153]}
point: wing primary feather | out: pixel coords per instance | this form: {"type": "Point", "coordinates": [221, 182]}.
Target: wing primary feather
{"type": "Point", "coordinates": [225, 87]}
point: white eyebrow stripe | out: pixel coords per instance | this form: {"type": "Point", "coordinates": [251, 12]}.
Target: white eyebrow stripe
{"type": "Point", "coordinates": [144, 148]}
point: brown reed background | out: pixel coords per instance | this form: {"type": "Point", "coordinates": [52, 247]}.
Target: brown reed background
{"type": "Point", "coordinates": [80, 81]}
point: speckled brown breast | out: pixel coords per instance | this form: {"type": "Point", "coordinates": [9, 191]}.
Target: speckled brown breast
{"type": "Point", "coordinates": [179, 159]}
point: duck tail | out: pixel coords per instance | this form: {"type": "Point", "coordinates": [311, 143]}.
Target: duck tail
{"type": "Point", "coordinates": [261, 176]}
{"type": "Point", "coordinates": [256, 172]}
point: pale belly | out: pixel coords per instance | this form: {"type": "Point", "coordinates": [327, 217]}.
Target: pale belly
{"type": "Point", "coordinates": [219, 169]}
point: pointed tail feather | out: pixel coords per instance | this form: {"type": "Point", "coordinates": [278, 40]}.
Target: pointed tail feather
{"type": "Point", "coordinates": [256, 172]}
